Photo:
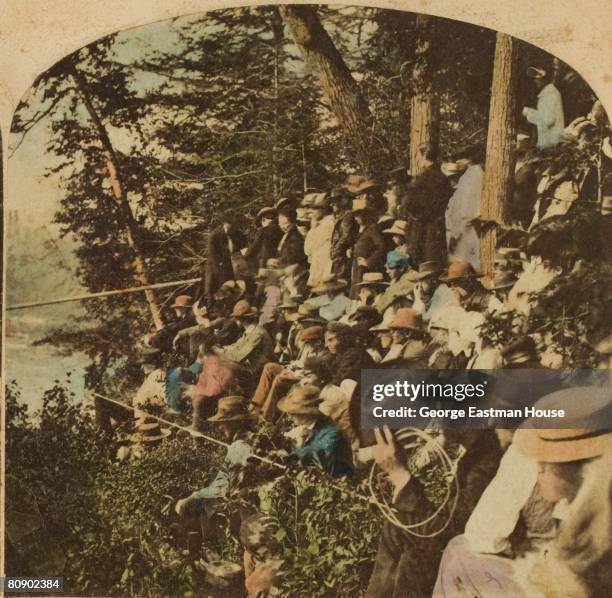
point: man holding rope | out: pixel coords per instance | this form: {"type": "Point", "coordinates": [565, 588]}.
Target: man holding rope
{"type": "Point", "coordinates": [407, 561]}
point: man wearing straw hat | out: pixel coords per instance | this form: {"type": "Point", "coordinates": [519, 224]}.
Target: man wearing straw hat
{"type": "Point", "coordinates": [234, 424]}
{"type": "Point", "coordinates": [324, 445]}
{"type": "Point", "coordinates": [547, 475]}
{"type": "Point", "coordinates": [255, 347]}
{"type": "Point", "coordinates": [317, 244]}
{"type": "Point", "coordinates": [410, 339]}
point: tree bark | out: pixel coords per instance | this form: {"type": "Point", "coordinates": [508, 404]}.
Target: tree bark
{"type": "Point", "coordinates": [501, 140]}
{"type": "Point", "coordinates": [424, 102]}
{"type": "Point", "coordinates": [120, 196]}
{"type": "Point", "coordinates": [335, 80]}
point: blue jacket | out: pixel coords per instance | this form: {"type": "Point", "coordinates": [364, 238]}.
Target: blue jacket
{"type": "Point", "coordinates": [326, 448]}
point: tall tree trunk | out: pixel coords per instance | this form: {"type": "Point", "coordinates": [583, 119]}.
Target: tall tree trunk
{"type": "Point", "coordinates": [119, 195]}
{"type": "Point", "coordinates": [501, 140]}
{"type": "Point", "coordinates": [335, 80]}
{"type": "Point", "coordinates": [424, 102]}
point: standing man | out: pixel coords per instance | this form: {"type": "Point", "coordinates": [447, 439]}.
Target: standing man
{"type": "Point", "coordinates": [548, 115]}
{"type": "Point", "coordinates": [424, 209]}
{"type": "Point", "coordinates": [223, 242]}
{"type": "Point", "coordinates": [464, 207]}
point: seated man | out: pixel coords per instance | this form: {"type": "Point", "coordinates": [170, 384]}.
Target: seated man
{"type": "Point", "coordinates": [543, 475]}
{"type": "Point", "coordinates": [406, 564]}
{"type": "Point", "coordinates": [255, 347]}
{"type": "Point", "coordinates": [410, 340]}
{"type": "Point", "coordinates": [276, 379]}
{"type": "Point", "coordinates": [234, 423]}
{"type": "Point", "coordinates": [323, 444]}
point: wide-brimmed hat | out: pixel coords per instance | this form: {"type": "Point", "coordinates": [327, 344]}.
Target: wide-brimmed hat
{"type": "Point", "coordinates": [408, 319]}
{"type": "Point", "coordinates": [503, 280]}
{"type": "Point", "coordinates": [426, 269]}
{"type": "Point", "coordinates": [289, 303]}
{"type": "Point", "coordinates": [307, 309]}
{"type": "Point", "coordinates": [149, 431]}
{"type": "Point", "coordinates": [243, 309]}
{"type": "Point", "coordinates": [520, 351]}
{"type": "Point", "coordinates": [232, 408]}
{"type": "Point", "coordinates": [585, 407]}
{"type": "Point", "coordinates": [358, 184]}
{"type": "Point", "coordinates": [312, 333]}
{"type": "Point", "coordinates": [399, 228]}
{"type": "Point", "coordinates": [331, 284]}
{"type": "Point", "coordinates": [301, 400]}
{"type": "Point", "coordinates": [385, 219]}
{"type": "Point", "coordinates": [182, 301]}
{"type": "Point", "coordinates": [372, 279]}
{"type": "Point", "coordinates": [534, 72]}
{"type": "Point", "coordinates": [315, 320]}
{"type": "Point", "coordinates": [267, 212]}
{"type": "Point", "coordinates": [460, 270]}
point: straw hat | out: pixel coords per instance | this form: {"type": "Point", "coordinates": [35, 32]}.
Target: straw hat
{"type": "Point", "coordinates": [399, 228]}
{"type": "Point", "coordinates": [331, 284]}
{"type": "Point", "coordinates": [426, 269]}
{"type": "Point", "coordinates": [149, 431]}
{"type": "Point", "coordinates": [268, 212]}
{"type": "Point", "coordinates": [232, 408]}
{"type": "Point", "coordinates": [312, 333]}
{"type": "Point", "coordinates": [358, 184]}
{"type": "Point", "coordinates": [407, 318]}
{"type": "Point", "coordinates": [289, 303]}
{"type": "Point", "coordinates": [182, 301]}
{"type": "Point", "coordinates": [372, 279]}
{"type": "Point", "coordinates": [301, 400]}
{"type": "Point", "coordinates": [586, 408]}
{"type": "Point", "coordinates": [460, 271]}
{"type": "Point", "coordinates": [243, 309]}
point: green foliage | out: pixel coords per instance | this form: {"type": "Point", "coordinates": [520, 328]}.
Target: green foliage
{"type": "Point", "coordinates": [111, 520]}
{"type": "Point", "coordinates": [327, 537]}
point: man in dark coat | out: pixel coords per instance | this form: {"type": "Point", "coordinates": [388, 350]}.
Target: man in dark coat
{"type": "Point", "coordinates": [343, 236]}
{"type": "Point", "coordinates": [406, 565]}
{"type": "Point", "coordinates": [223, 241]}
{"type": "Point", "coordinates": [265, 240]}
{"type": "Point", "coordinates": [291, 245]}
{"type": "Point", "coordinates": [424, 208]}
{"type": "Point", "coordinates": [369, 249]}
{"type": "Point", "coordinates": [525, 191]}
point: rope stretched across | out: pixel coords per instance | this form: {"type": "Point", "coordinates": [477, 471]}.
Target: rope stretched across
{"type": "Point", "coordinates": [159, 285]}
{"type": "Point", "coordinates": [384, 507]}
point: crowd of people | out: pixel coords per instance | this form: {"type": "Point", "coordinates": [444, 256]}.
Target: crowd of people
{"type": "Point", "coordinates": [387, 274]}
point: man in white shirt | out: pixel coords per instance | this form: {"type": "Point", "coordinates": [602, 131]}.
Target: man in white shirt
{"type": "Point", "coordinates": [548, 115]}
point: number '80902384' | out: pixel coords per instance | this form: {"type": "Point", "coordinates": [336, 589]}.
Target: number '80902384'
{"type": "Point", "coordinates": [32, 584]}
